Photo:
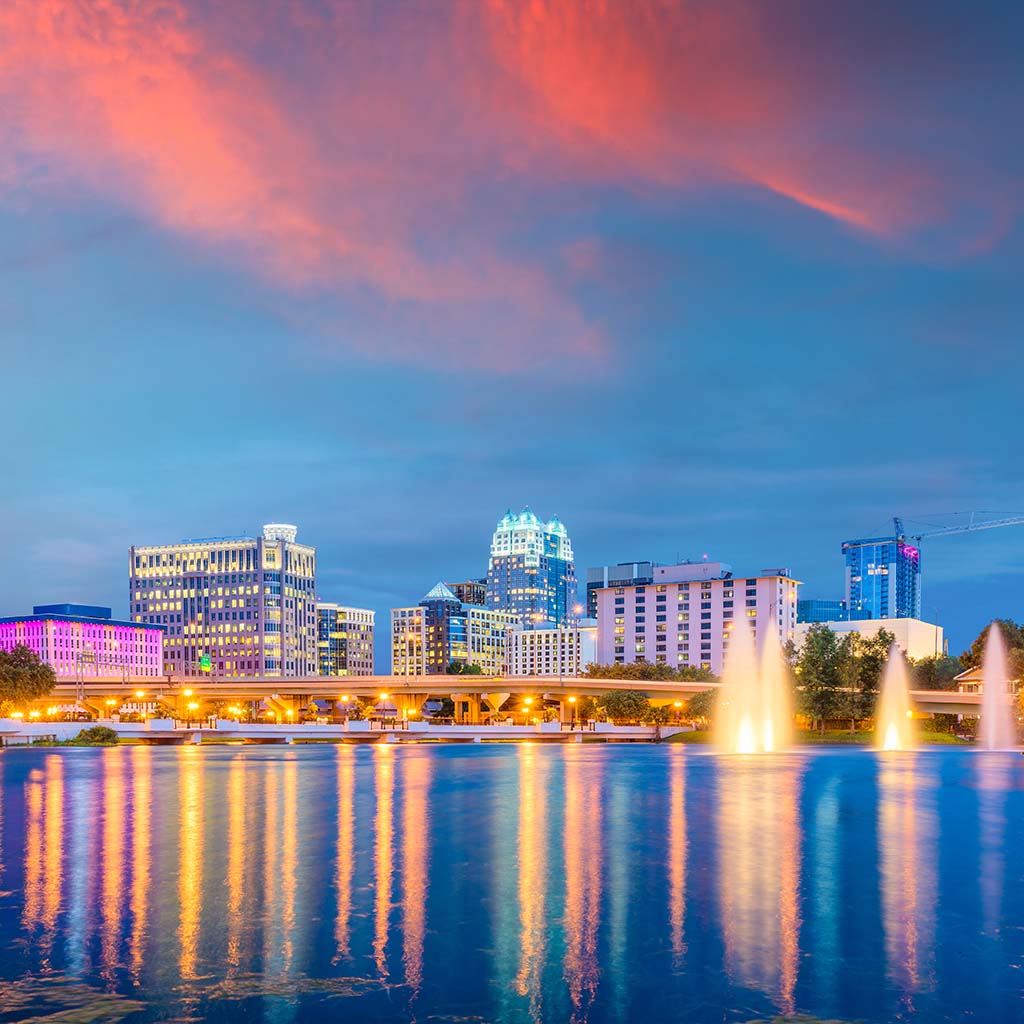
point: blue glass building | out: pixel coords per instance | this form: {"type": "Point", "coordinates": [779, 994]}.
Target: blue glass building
{"type": "Point", "coordinates": [814, 610]}
{"type": "Point", "coordinates": [531, 571]}
{"type": "Point", "coordinates": [883, 578]}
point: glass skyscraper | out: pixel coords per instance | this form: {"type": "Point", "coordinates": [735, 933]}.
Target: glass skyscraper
{"type": "Point", "coordinates": [531, 571]}
{"type": "Point", "coordinates": [883, 578]}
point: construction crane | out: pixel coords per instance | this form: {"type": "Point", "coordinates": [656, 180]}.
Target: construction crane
{"type": "Point", "coordinates": [883, 574]}
{"type": "Point", "coordinates": [971, 526]}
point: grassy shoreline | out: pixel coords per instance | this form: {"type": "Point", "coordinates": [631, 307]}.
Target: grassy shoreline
{"type": "Point", "coordinates": [830, 738]}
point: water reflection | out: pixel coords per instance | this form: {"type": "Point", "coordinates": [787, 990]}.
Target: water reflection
{"type": "Point", "coordinates": [583, 858]}
{"type": "Point", "coordinates": [518, 883]}
{"type": "Point", "coordinates": [677, 856]}
{"type": "Point", "coordinates": [113, 854]}
{"type": "Point", "coordinates": [416, 773]}
{"type": "Point", "coordinates": [533, 835]}
{"type": "Point", "coordinates": [906, 847]}
{"type": "Point", "coordinates": [759, 874]}
{"type": "Point", "coordinates": [190, 844]}
{"type": "Point", "coordinates": [236, 870]}
{"type": "Point", "coordinates": [44, 852]}
{"type": "Point", "coordinates": [383, 854]}
{"type": "Point", "coordinates": [994, 775]}
{"type": "Point", "coordinates": [141, 769]}
{"type": "Point", "coordinates": [345, 851]}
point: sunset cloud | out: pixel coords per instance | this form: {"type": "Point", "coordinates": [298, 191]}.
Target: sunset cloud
{"type": "Point", "coordinates": [385, 159]}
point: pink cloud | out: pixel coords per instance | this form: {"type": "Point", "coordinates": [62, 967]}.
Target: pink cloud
{"type": "Point", "coordinates": [383, 159]}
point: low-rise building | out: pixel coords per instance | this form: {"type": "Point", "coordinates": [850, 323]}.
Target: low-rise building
{"type": "Point", "coordinates": [686, 615]}
{"type": "Point", "coordinates": [552, 652]}
{"type": "Point", "coordinates": [344, 640]}
{"type": "Point", "coordinates": [972, 680]}
{"type": "Point", "coordinates": [441, 631]}
{"type": "Point", "coordinates": [81, 641]}
{"type": "Point", "coordinates": [916, 639]}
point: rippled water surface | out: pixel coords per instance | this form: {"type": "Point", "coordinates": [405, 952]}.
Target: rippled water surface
{"type": "Point", "coordinates": [509, 883]}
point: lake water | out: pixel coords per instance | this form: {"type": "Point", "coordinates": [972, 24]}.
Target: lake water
{"type": "Point", "coordinates": [510, 883]}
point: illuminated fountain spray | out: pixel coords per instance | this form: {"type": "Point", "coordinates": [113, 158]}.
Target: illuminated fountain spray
{"type": "Point", "coordinates": [753, 703]}
{"type": "Point", "coordinates": [894, 727]}
{"type": "Point", "coordinates": [997, 729]}
{"type": "Point", "coordinates": [776, 695]}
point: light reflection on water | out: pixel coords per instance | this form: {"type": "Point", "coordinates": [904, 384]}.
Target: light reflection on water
{"type": "Point", "coordinates": [520, 882]}
{"type": "Point", "coordinates": [759, 878]}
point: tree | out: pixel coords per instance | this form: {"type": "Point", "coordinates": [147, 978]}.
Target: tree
{"type": "Point", "coordinates": [625, 705]}
{"type": "Point", "coordinates": [817, 675]}
{"type": "Point", "coordinates": [873, 654]}
{"type": "Point", "coordinates": [847, 669]}
{"type": "Point", "coordinates": [645, 670]}
{"type": "Point", "coordinates": [464, 668]}
{"type": "Point", "coordinates": [938, 672]}
{"type": "Point", "coordinates": [702, 706]}
{"type": "Point", "coordinates": [1013, 636]}
{"type": "Point", "coordinates": [23, 677]}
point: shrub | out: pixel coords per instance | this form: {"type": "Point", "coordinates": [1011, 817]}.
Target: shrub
{"type": "Point", "coordinates": [97, 735]}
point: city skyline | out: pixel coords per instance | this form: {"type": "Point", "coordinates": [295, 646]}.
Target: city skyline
{"type": "Point", "coordinates": [382, 640]}
{"type": "Point", "coordinates": [742, 285]}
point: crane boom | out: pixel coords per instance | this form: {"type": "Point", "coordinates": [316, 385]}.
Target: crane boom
{"type": "Point", "coordinates": [970, 527]}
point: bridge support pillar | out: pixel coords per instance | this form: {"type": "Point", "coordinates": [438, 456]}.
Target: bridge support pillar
{"type": "Point", "coordinates": [467, 708]}
{"type": "Point", "coordinates": [408, 704]}
{"type": "Point", "coordinates": [494, 701]}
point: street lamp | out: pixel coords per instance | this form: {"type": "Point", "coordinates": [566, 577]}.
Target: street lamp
{"type": "Point", "coordinates": [572, 705]}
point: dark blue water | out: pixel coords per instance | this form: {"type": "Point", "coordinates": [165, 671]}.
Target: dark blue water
{"type": "Point", "coordinates": [510, 883]}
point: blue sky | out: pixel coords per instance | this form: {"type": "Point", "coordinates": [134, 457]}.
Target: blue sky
{"type": "Point", "coordinates": [689, 309]}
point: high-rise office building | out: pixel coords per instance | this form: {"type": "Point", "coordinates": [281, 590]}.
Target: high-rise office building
{"type": "Point", "coordinates": [686, 616]}
{"type": "Point", "coordinates": [625, 574]}
{"type": "Point", "coordinates": [531, 571]}
{"type": "Point", "coordinates": [79, 641]}
{"type": "Point", "coordinates": [344, 640]}
{"type": "Point", "coordinates": [237, 606]}
{"type": "Point", "coordinates": [442, 631]}
{"type": "Point", "coordinates": [883, 578]}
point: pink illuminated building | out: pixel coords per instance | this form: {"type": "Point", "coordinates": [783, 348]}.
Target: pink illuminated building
{"type": "Point", "coordinates": [84, 641]}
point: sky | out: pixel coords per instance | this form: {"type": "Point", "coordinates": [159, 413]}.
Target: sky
{"type": "Point", "coordinates": [729, 278]}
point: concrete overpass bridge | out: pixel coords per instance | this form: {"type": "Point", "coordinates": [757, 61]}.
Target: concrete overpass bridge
{"type": "Point", "coordinates": [475, 697]}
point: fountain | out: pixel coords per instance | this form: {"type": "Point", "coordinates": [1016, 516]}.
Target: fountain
{"type": "Point", "coordinates": [997, 727]}
{"type": "Point", "coordinates": [776, 695]}
{"type": "Point", "coordinates": [894, 726]}
{"type": "Point", "coordinates": [753, 704]}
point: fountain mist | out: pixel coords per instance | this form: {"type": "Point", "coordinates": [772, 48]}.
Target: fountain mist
{"type": "Point", "coordinates": [753, 703]}
{"type": "Point", "coordinates": [997, 727]}
{"type": "Point", "coordinates": [894, 727]}
{"type": "Point", "coordinates": [776, 695]}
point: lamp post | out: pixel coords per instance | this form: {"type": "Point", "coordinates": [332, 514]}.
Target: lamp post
{"type": "Point", "coordinates": [572, 721]}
